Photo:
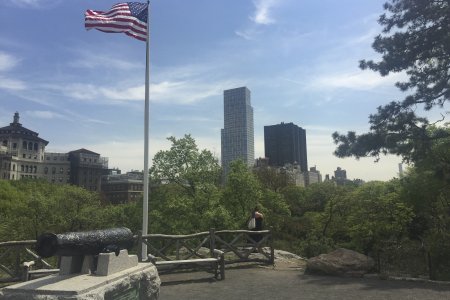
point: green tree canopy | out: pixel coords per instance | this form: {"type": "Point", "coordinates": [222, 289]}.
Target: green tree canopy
{"type": "Point", "coordinates": [242, 192]}
{"type": "Point", "coordinates": [415, 40]}
{"type": "Point", "coordinates": [273, 179]}
{"type": "Point", "coordinates": [188, 200]}
{"type": "Point", "coordinates": [185, 165]}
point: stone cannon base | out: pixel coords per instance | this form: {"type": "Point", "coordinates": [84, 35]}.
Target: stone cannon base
{"type": "Point", "coordinates": [140, 282]}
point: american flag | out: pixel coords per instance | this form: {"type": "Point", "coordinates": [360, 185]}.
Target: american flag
{"type": "Point", "coordinates": [129, 18]}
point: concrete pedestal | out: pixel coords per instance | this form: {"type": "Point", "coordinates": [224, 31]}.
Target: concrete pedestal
{"type": "Point", "coordinates": [140, 282]}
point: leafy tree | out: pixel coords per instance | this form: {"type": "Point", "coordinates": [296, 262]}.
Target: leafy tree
{"type": "Point", "coordinates": [427, 189]}
{"type": "Point", "coordinates": [190, 199]}
{"type": "Point", "coordinates": [185, 165]}
{"type": "Point", "coordinates": [377, 214]}
{"type": "Point", "coordinates": [272, 179]}
{"type": "Point", "coordinates": [173, 211]}
{"type": "Point", "coordinates": [295, 197]}
{"type": "Point", "coordinates": [319, 194]}
{"type": "Point", "coordinates": [35, 206]}
{"type": "Point", "coordinates": [415, 40]}
{"type": "Point", "coordinates": [276, 210]}
{"type": "Point", "coordinates": [242, 193]}
{"type": "Point", "coordinates": [128, 215]}
{"type": "Point", "coordinates": [76, 209]}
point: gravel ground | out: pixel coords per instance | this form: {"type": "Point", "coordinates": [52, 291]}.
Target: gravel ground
{"type": "Point", "coordinates": [289, 282]}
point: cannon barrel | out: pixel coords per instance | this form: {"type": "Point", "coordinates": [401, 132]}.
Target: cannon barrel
{"type": "Point", "coordinates": [83, 243]}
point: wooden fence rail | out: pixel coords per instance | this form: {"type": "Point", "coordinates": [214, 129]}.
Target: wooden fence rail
{"type": "Point", "coordinates": [12, 256]}
{"type": "Point", "coordinates": [238, 245]}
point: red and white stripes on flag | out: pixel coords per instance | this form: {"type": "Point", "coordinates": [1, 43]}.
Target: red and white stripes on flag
{"type": "Point", "coordinates": [129, 17]}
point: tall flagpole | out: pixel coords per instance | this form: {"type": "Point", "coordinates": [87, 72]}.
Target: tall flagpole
{"type": "Point", "coordinates": [146, 135]}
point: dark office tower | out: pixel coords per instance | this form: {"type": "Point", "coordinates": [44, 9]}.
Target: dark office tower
{"type": "Point", "coordinates": [237, 133]}
{"type": "Point", "coordinates": [285, 144]}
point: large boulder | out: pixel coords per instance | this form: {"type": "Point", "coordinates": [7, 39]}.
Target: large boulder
{"type": "Point", "coordinates": [340, 262]}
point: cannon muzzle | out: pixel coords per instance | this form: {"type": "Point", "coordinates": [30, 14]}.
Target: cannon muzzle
{"type": "Point", "coordinates": [84, 243]}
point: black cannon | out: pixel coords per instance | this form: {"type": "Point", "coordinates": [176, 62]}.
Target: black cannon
{"type": "Point", "coordinates": [84, 243]}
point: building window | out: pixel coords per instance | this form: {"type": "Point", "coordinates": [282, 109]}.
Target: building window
{"type": "Point", "coordinates": [35, 147]}
{"type": "Point", "coordinates": [35, 169]}
{"type": "Point", "coordinates": [5, 143]}
{"type": "Point", "coordinates": [14, 167]}
{"type": "Point", "coordinates": [22, 168]}
{"type": "Point", "coordinates": [61, 170]}
{"type": "Point", "coordinates": [30, 146]}
{"type": "Point", "coordinates": [46, 170]}
{"type": "Point", "coordinates": [14, 145]}
{"type": "Point", "coordinates": [53, 170]}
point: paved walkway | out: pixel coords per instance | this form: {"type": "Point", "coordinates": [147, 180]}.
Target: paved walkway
{"type": "Point", "coordinates": [266, 283]}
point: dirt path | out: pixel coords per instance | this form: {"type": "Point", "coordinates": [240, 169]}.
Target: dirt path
{"type": "Point", "coordinates": [288, 282]}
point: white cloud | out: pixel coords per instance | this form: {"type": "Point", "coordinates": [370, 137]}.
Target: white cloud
{"type": "Point", "coordinates": [11, 84]}
{"type": "Point", "coordinates": [362, 80]}
{"type": "Point", "coordinates": [134, 93]}
{"type": "Point", "coordinates": [97, 93]}
{"type": "Point", "coordinates": [262, 14]}
{"type": "Point", "coordinates": [185, 92]}
{"type": "Point", "coordinates": [7, 62]}
{"type": "Point", "coordinates": [34, 3]}
{"type": "Point", "coordinates": [173, 92]}
{"type": "Point", "coordinates": [91, 60]}
{"type": "Point", "coordinates": [185, 118]}
{"type": "Point", "coordinates": [44, 114]}
{"type": "Point", "coordinates": [246, 34]}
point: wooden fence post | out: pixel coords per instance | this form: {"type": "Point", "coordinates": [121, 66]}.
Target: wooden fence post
{"type": "Point", "coordinates": [17, 269]}
{"type": "Point", "coordinates": [139, 245]}
{"type": "Point", "coordinates": [212, 240]}
{"type": "Point", "coordinates": [272, 251]}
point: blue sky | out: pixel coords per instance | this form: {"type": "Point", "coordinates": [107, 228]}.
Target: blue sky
{"type": "Point", "coordinates": [299, 58]}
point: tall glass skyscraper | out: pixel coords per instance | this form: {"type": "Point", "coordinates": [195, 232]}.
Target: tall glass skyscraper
{"type": "Point", "coordinates": [238, 132]}
{"type": "Point", "coordinates": [285, 143]}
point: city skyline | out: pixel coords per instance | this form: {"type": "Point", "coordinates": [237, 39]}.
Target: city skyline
{"type": "Point", "coordinates": [83, 89]}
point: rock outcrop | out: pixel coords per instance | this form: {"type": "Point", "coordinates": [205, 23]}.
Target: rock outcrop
{"type": "Point", "coordinates": [340, 262]}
